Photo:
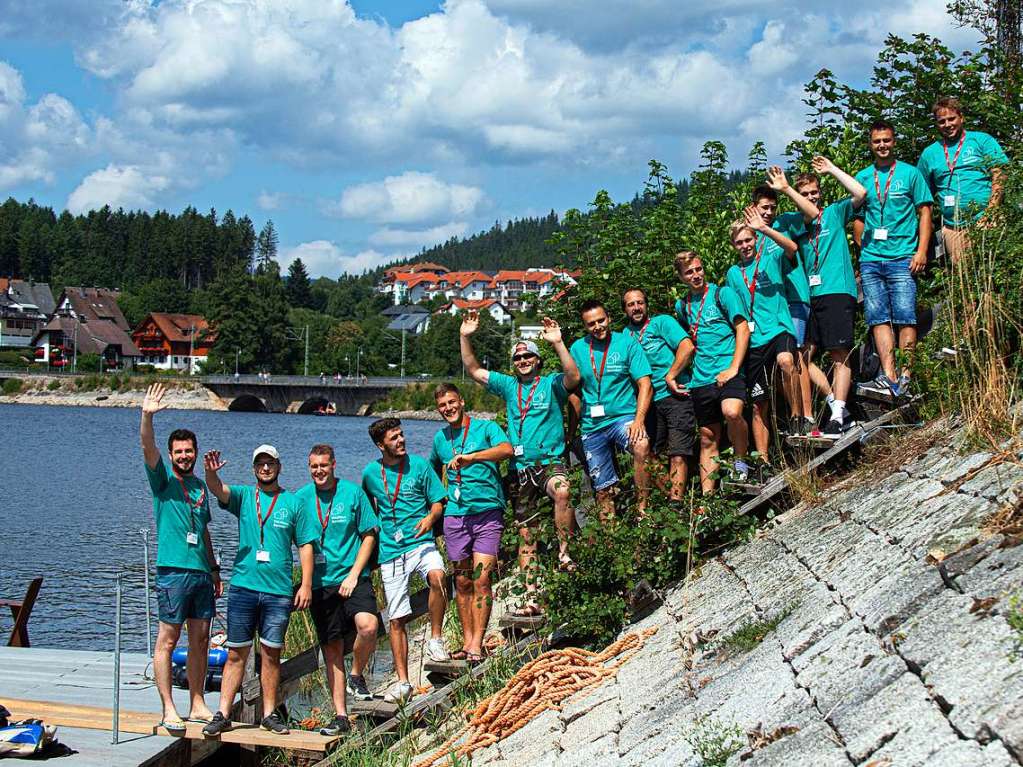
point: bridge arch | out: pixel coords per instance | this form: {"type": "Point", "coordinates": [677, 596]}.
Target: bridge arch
{"type": "Point", "coordinates": [313, 405]}
{"type": "Point", "coordinates": [248, 403]}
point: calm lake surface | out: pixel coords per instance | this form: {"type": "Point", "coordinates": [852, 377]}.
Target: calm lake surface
{"type": "Point", "coordinates": [75, 499]}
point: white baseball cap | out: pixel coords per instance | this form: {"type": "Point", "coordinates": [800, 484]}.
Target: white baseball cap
{"type": "Point", "coordinates": [269, 450]}
{"type": "Point", "coordinates": [522, 345]}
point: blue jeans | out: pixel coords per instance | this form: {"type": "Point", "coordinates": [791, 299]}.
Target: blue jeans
{"type": "Point", "coordinates": [249, 611]}
{"type": "Point", "coordinates": [183, 594]}
{"type": "Point", "coordinates": [889, 292]}
{"type": "Point", "coordinates": [800, 313]}
{"type": "Point", "coordinates": [600, 446]}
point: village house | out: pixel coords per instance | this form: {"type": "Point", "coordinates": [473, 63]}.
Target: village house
{"type": "Point", "coordinates": [86, 321]}
{"type": "Point", "coordinates": [24, 308]}
{"type": "Point", "coordinates": [494, 308]}
{"type": "Point", "coordinates": [416, 283]}
{"type": "Point", "coordinates": [174, 341]}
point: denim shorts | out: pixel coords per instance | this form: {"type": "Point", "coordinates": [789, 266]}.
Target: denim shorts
{"type": "Point", "coordinates": [889, 292]}
{"type": "Point", "coordinates": [250, 611]}
{"type": "Point", "coordinates": [600, 447]}
{"type": "Point", "coordinates": [183, 594]}
{"type": "Point", "coordinates": [800, 313]}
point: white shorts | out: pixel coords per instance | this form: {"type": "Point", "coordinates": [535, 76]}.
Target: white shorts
{"type": "Point", "coordinates": [397, 573]}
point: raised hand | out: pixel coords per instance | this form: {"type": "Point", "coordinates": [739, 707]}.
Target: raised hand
{"type": "Point", "coordinates": [822, 165]}
{"type": "Point", "coordinates": [470, 322]}
{"type": "Point", "coordinates": [776, 179]}
{"type": "Point", "coordinates": [753, 219]}
{"type": "Point", "coordinates": [551, 331]}
{"type": "Point", "coordinates": [153, 402]}
{"type": "Point", "coordinates": [212, 461]}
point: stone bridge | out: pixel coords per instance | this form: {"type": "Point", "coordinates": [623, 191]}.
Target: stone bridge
{"type": "Point", "coordinates": [301, 394]}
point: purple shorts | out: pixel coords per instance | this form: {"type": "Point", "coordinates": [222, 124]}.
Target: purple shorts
{"type": "Point", "coordinates": [473, 534]}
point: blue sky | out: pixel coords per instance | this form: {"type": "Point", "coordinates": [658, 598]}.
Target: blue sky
{"type": "Point", "coordinates": [369, 129]}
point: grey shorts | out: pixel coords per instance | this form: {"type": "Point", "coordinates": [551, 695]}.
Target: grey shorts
{"type": "Point", "coordinates": [531, 488]}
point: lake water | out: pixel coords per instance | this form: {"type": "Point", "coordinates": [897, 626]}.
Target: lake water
{"type": "Point", "coordinates": [75, 499]}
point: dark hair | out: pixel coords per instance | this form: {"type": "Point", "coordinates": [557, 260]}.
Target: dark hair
{"type": "Point", "coordinates": [762, 191]}
{"type": "Point", "coordinates": [322, 449]}
{"type": "Point", "coordinates": [632, 290]}
{"type": "Point", "coordinates": [880, 125]}
{"type": "Point", "coordinates": [182, 435]}
{"type": "Point", "coordinates": [684, 257]}
{"type": "Point", "coordinates": [590, 304]}
{"type": "Point", "coordinates": [947, 102]}
{"type": "Point", "coordinates": [807, 178]}
{"type": "Point", "coordinates": [446, 388]}
{"type": "Point", "coordinates": [379, 428]}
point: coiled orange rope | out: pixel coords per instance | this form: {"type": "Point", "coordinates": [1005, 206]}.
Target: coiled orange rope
{"type": "Point", "coordinates": [542, 684]}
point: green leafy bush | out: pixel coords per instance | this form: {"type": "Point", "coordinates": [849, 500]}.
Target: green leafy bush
{"type": "Point", "coordinates": [12, 386]}
{"type": "Point", "coordinates": [53, 385]}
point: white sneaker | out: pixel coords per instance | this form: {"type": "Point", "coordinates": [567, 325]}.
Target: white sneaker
{"type": "Point", "coordinates": [399, 692]}
{"type": "Point", "coordinates": [437, 651]}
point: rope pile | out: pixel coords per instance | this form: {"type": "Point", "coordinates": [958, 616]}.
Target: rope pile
{"type": "Point", "coordinates": [542, 684]}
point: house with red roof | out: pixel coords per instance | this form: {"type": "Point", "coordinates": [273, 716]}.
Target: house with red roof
{"type": "Point", "coordinates": [494, 308]}
{"type": "Point", "coordinates": [174, 341]}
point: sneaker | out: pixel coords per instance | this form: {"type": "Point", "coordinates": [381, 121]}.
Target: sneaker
{"type": "Point", "coordinates": [902, 387]}
{"type": "Point", "coordinates": [356, 686]}
{"type": "Point", "coordinates": [217, 725]}
{"type": "Point", "coordinates": [795, 426]}
{"type": "Point", "coordinates": [437, 651]}
{"type": "Point", "coordinates": [399, 692]}
{"type": "Point", "coordinates": [834, 429]}
{"type": "Point", "coordinates": [338, 726]}
{"type": "Point", "coordinates": [880, 385]}
{"type": "Point", "coordinates": [809, 427]}
{"type": "Point", "coordinates": [274, 724]}
{"type": "Point", "coordinates": [847, 420]}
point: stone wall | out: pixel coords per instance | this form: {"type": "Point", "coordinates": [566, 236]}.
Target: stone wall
{"type": "Point", "coordinates": [892, 649]}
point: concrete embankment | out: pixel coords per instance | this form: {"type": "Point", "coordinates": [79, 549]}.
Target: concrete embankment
{"type": "Point", "coordinates": [876, 631]}
{"type": "Point", "coordinates": [177, 398]}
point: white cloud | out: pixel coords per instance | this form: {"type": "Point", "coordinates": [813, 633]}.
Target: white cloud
{"type": "Point", "coordinates": [417, 237]}
{"type": "Point", "coordinates": [773, 53]}
{"type": "Point", "coordinates": [325, 258]}
{"type": "Point", "coordinates": [270, 200]}
{"type": "Point", "coordinates": [412, 197]}
{"type": "Point", "coordinates": [117, 186]}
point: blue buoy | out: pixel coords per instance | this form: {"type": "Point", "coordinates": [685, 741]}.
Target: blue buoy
{"type": "Point", "coordinates": [217, 656]}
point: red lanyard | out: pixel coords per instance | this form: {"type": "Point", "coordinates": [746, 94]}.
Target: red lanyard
{"type": "Point", "coordinates": [887, 185]}
{"type": "Point", "coordinates": [593, 363]}
{"type": "Point", "coordinates": [465, 435]}
{"type": "Point", "coordinates": [642, 330]}
{"type": "Point", "coordinates": [269, 513]}
{"type": "Point", "coordinates": [815, 241]}
{"type": "Point", "coordinates": [689, 300]}
{"type": "Point", "coordinates": [192, 507]}
{"type": "Point", "coordinates": [955, 160]}
{"type": "Point", "coordinates": [397, 486]}
{"type": "Point", "coordinates": [752, 287]}
{"type": "Point", "coordinates": [330, 508]}
{"type": "Point", "coordinates": [524, 409]}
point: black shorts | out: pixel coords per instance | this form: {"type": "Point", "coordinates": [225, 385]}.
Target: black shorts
{"type": "Point", "coordinates": [832, 319]}
{"type": "Point", "coordinates": [707, 399]}
{"type": "Point", "coordinates": [671, 425]}
{"type": "Point", "coordinates": [334, 616]}
{"type": "Point", "coordinates": [761, 363]}
{"type": "Point", "coordinates": [531, 487]}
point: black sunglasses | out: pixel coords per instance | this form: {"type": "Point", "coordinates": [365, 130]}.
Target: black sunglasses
{"type": "Point", "coordinates": [518, 357]}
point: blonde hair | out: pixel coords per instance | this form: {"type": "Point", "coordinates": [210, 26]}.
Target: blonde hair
{"type": "Point", "coordinates": [736, 228]}
{"type": "Point", "coordinates": [685, 257]}
{"type": "Point", "coordinates": [947, 102]}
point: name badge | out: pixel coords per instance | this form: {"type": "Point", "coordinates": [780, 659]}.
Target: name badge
{"type": "Point", "coordinates": [399, 536]}
{"type": "Point", "coordinates": [192, 539]}
{"type": "Point", "coordinates": [321, 558]}
{"type": "Point", "coordinates": [519, 450]}
{"type": "Point", "coordinates": [457, 493]}
{"type": "Point", "coordinates": [596, 411]}
{"type": "Point", "coordinates": [880, 234]}
{"type": "Point", "coordinates": [752, 327]}
{"type": "Point", "coordinates": [950, 200]}
{"type": "Point", "coordinates": [262, 555]}
{"type": "Point", "coordinates": [815, 280]}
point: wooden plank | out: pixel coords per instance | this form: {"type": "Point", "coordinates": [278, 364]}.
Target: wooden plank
{"type": "Point", "coordinates": [254, 735]}
{"type": "Point", "coordinates": [446, 668]}
{"type": "Point", "coordinates": [521, 622]}
{"type": "Point", "coordinates": [377, 708]}
{"type": "Point", "coordinates": [818, 443]}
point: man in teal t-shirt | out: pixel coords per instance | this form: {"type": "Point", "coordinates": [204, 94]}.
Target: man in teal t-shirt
{"type": "Point", "coordinates": [343, 601]}
{"type": "Point", "coordinates": [893, 237]}
{"type": "Point", "coordinates": [534, 406]}
{"type": "Point", "coordinates": [715, 320]}
{"type": "Point", "coordinates": [187, 574]}
{"type": "Point", "coordinates": [963, 170]}
{"type": "Point", "coordinates": [261, 597]}
{"type": "Point", "coordinates": [409, 499]}
{"type": "Point", "coordinates": [825, 250]}
{"type": "Point", "coordinates": [616, 394]}
{"type": "Point", "coordinates": [759, 280]}
{"type": "Point", "coordinates": [468, 454]}
{"type": "Point", "coordinates": [670, 421]}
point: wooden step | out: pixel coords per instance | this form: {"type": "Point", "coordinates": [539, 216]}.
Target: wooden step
{"type": "Point", "coordinates": [521, 622]}
{"type": "Point", "coordinates": [377, 708]}
{"type": "Point", "coordinates": [446, 668]}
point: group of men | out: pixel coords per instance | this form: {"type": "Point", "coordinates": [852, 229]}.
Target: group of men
{"type": "Point", "coordinates": [648, 389]}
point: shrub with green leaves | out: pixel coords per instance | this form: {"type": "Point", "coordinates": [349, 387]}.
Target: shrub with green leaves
{"type": "Point", "coordinates": [12, 386]}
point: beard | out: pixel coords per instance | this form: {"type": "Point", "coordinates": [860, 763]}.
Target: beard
{"type": "Point", "coordinates": [184, 466]}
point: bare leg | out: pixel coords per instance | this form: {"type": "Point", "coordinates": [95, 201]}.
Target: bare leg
{"type": "Point", "coordinates": [334, 665]}
{"type": "Point", "coordinates": [679, 476]}
{"type": "Point", "coordinates": [884, 340]}
{"type": "Point", "coordinates": [166, 638]}
{"type": "Point", "coordinates": [399, 647]}
{"type": "Point", "coordinates": [559, 491]}
{"type": "Point", "coordinates": [365, 640]}
{"type": "Point", "coordinates": [269, 676]}
{"type": "Point", "coordinates": [842, 373]}
{"type": "Point", "coordinates": [805, 395]}
{"type": "Point", "coordinates": [438, 602]}
{"type": "Point", "coordinates": [907, 343]}
{"type": "Point", "coordinates": [761, 427]}
{"type": "Point", "coordinates": [790, 383]}
{"type": "Point", "coordinates": [463, 600]}
{"type": "Point", "coordinates": [710, 437]}
{"type": "Point", "coordinates": [231, 681]}
{"type": "Point", "coordinates": [605, 505]}
{"type": "Point", "coordinates": [738, 431]}
{"type": "Point", "coordinates": [482, 600]}
{"type": "Point", "coordinates": [527, 559]}
{"type": "Point", "coordinates": [817, 376]}
{"type": "Point", "coordinates": [198, 657]}
{"type": "Point", "coordinates": [640, 455]}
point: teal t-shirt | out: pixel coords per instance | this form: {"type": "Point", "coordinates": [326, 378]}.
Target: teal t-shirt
{"type": "Point", "coordinates": [659, 339]}
{"type": "Point", "coordinates": [797, 289]}
{"type": "Point", "coordinates": [768, 308]}
{"type": "Point", "coordinates": [476, 488]}
{"type": "Point", "coordinates": [824, 248]}
{"type": "Point", "coordinates": [715, 333]}
{"type": "Point", "coordinates": [907, 191]}
{"type": "Point", "coordinates": [964, 193]}
{"type": "Point", "coordinates": [347, 515]}
{"type": "Point", "coordinates": [625, 364]}
{"type": "Point", "coordinates": [542, 432]}
{"type": "Point", "coordinates": [178, 518]}
{"type": "Point", "coordinates": [284, 526]}
{"type": "Point", "coordinates": [399, 514]}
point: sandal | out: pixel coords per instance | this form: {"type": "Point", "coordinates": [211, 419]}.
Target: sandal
{"type": "Point", "coordinates": [462, 654]}
{"type": "Point", "coordinates": [474, 658]}
{"type": "Point", "coordinates": [566, 564]}
{"type": "Point", "coordinates": [173, 726]}
{"type": "Point", "coordinates": [528, 610]}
